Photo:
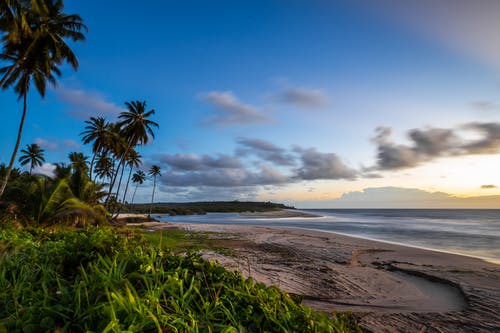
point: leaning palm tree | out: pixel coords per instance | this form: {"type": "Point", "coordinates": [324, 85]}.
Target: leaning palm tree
{"type": "Point", "coordinates": [138, 178]}
{"type": "Point", "coordinates": [35, 52]}
{"type": "Point", "coordinates": [32, 155]}
{"type": "Point", "coordinates": [154, 171]}
{"type": "Point", "coordinates": [136, 128]}
{"type": "Point", "coordinates": [133, 161]}
{"type": "Point", "coordinates": [98, 132]}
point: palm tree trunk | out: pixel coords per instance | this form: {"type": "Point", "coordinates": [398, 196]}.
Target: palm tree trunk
{"type": "Point", "coordinates": [125, 192]}
{"type": "Point", "coordinates": [122, 160]}
{"type": "Point", "coordinates": [126, 187]}
{"type": "Point", "coordinates": [152, 196]}
{"type": "Point", "coordinates": [133, 196]}
{"type": "Point", "coordinates": [18, 141]}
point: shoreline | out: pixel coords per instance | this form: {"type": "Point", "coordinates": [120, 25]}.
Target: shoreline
{"type": "Point", "coordinates": [285, 214]}
{"type": "Point", "coordinates": [385, 285]}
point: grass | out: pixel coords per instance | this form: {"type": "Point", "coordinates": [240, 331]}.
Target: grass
{"type": "Point", "coordinates": [98, 280]}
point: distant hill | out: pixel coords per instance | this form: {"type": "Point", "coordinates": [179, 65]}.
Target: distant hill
{"type": "Point", "coordinates": [189, 208]}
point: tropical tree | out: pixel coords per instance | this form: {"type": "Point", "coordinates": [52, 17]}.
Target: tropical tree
{"type": "Point", "coordinates": [104, 166]}
{"type": "Point", "coordinates": [138, 178]}
{"type": "Point", "coordinates": [62, 171]}
{"type": "Point", "coordinates": [133, 161]}
{"type": "Point", "coordinates": [78, 161]}
{"type": "Point", "coordinates": [34, 47]}
{"type": "Point", "coordinates": [32, 155]}
{"type": "Point", "coordinates": [135, 128]}
{"type": "Point", "coordinates": [97, 131]}
{"type": "Point", "coordinates": [154, 171]}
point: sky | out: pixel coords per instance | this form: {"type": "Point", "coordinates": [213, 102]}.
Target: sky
{"type": "Point", "coordinates": [316, 104]}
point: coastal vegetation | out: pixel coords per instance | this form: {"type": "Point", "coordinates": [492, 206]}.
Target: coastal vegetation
{"type": "Point", "coordinates": [64, 265]}
{"type": "Point", "coordinates": [203, 207]}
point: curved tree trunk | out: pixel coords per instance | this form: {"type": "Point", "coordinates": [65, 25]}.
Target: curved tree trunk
{"type": "Point", "coordinates": [18, 141]}
{"type": "Point", "coordinates": [133, 196]}
{"type": "Point", "coordinates": [152, 196]}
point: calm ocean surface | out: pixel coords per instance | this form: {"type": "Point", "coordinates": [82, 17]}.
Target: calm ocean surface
{"type": "Point", "coordinates": [463, 231]}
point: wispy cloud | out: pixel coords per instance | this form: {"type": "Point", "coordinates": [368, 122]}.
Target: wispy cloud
{"type": "Point", "coordinates": [304, 98]}
{"type": "Point", "coordinates": [53, 144]}
{"type": "Point", "coordinates": [488, 187]}
{"type": "Point", "coordinates": [228, 110]}
{"type": "Point", "coordinates": [83, 104]}
{"type": "Point", "coordinates": [431, 143]}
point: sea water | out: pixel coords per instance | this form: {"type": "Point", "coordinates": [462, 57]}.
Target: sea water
{"type": "Point", "coordinates": [472, 232]}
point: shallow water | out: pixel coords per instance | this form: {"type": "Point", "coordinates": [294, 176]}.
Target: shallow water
{"type": "Point", "coordinates": [462, 231]}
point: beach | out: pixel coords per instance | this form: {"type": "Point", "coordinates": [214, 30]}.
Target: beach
{"type": "Point", "coordinates": [389, 288]}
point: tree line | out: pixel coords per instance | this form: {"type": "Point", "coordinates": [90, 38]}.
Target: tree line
{"type": "Point", "coordinates": [34, 35]}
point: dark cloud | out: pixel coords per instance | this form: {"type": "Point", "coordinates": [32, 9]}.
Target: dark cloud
{"type": "Point", "coordinates": [266, 151]}
{"type": "Point", "coordinates": [317, 165]}
{"type": "Point", "coordinates": [228, 110]}
{"type": "Point", "coordinates": [488, 187]}
{"type": "Point", "coordinates": [192, 162]}
{"type": "Point", "coordinates": [304, 98]}
{"type": "Point", "coordinates": [431, 143]}
{"type": "Point", "coordinates": [85, 105]}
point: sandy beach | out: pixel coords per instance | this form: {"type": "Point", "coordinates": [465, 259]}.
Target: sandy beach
{"type": "Point", "coordinates": [390, 288]}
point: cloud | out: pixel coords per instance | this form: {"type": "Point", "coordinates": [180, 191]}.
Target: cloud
{"type": "Point", "coordinates": [228, 110]}
{"type": "Point", "coordinates": [193, 162]}
{"type": "Point", "coordinates": [46, 144]}
{"type": "Point", "coordinates": [84, 105]}
{"type": "Point", "coordinates": [397, 197]}
{"type": "Point", "coordinates": [486, 106]}
{"type": "Point", "coordinates": [57, 144]}
{"type": "Point", "coordinates": [317, 165]}
{"type": "Point", "coordinates": [265, 150]}
{"type": "Point", "coordinates": [488, 187]}
{"type": "Point", "coordinates": [46, 169]}
{"type": "Point", "coordinates": [304, 98]}
{"type": "Point", "coordinates": [431, 143]}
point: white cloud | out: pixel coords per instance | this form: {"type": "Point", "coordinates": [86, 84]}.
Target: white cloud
{"type": "Point", "coordinates": [84, 104]}
{"type": "Point", "coordinates": [228, 110]}
{"type": "Point", "coordinates": [46, 169]}
{"type": "Point", "coordinates": [305, 98]}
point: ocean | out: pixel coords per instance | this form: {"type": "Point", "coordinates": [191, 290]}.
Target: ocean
{"type": "Point", "coordinates": [471, 232]}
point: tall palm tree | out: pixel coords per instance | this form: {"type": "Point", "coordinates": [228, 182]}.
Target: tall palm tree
{"type": "Point", "coordinates": [136, 128]}
{"type": "Point", "coordinates": [154, 171]}
{"type": "Point", "coordinates": [104, 166]}
{"type": "Point", "coordinates": [78, 161]}
{"type": "Point", "coordinates": [97, 131]}
{"type": "Point", "coordinates": [138, 178]}
{"type": "Point", "coordinates": [133, 161]}
{"type": "Point", "coordinates": [32, 155]}
{"type": "Point", "coordinates": [35, 52]}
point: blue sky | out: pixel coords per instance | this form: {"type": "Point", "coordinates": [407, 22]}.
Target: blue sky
{"type": "Point", "coordinates": [281, 100]}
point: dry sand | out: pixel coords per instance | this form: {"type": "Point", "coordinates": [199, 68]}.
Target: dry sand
{"type": "Point", "coordinates": [390, 288]}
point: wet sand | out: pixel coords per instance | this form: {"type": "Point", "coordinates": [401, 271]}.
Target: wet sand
{"type": "Point", "coordinates": [389, 288]}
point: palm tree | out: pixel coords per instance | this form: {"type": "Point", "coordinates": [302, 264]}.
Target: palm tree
{"type": "Point", "coordinates": [154, 171]}
{"type": "Point", "coordinates": [137, 178]}
{"type": "Point", "coordinates": [35, 51]}
{"type": "Point", "coordinates": [98, 131]}
{"type": "Point", "coordinates": [104, 166]}
{"type": "Point", "coordinates": [135, 129]}
{"type": "Point", "coordinates": [33, 155]}
{"type": "Point", "coordinates": [78, 161]}
{"type": "Point", "coordinates": [134, 162]}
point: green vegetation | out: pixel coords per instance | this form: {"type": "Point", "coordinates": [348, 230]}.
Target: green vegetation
{"type": "Point", "coordinates": [187, 208]}
{"type": "Point", "coordinates": [63, 268]}
{"type": "Point", "coordinates": [96, 280]}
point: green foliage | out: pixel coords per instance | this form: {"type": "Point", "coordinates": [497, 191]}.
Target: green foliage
{"type": "Point", "coordinates": [187, 208]}
{"type": "Point", "coordinates": [95, 280]}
